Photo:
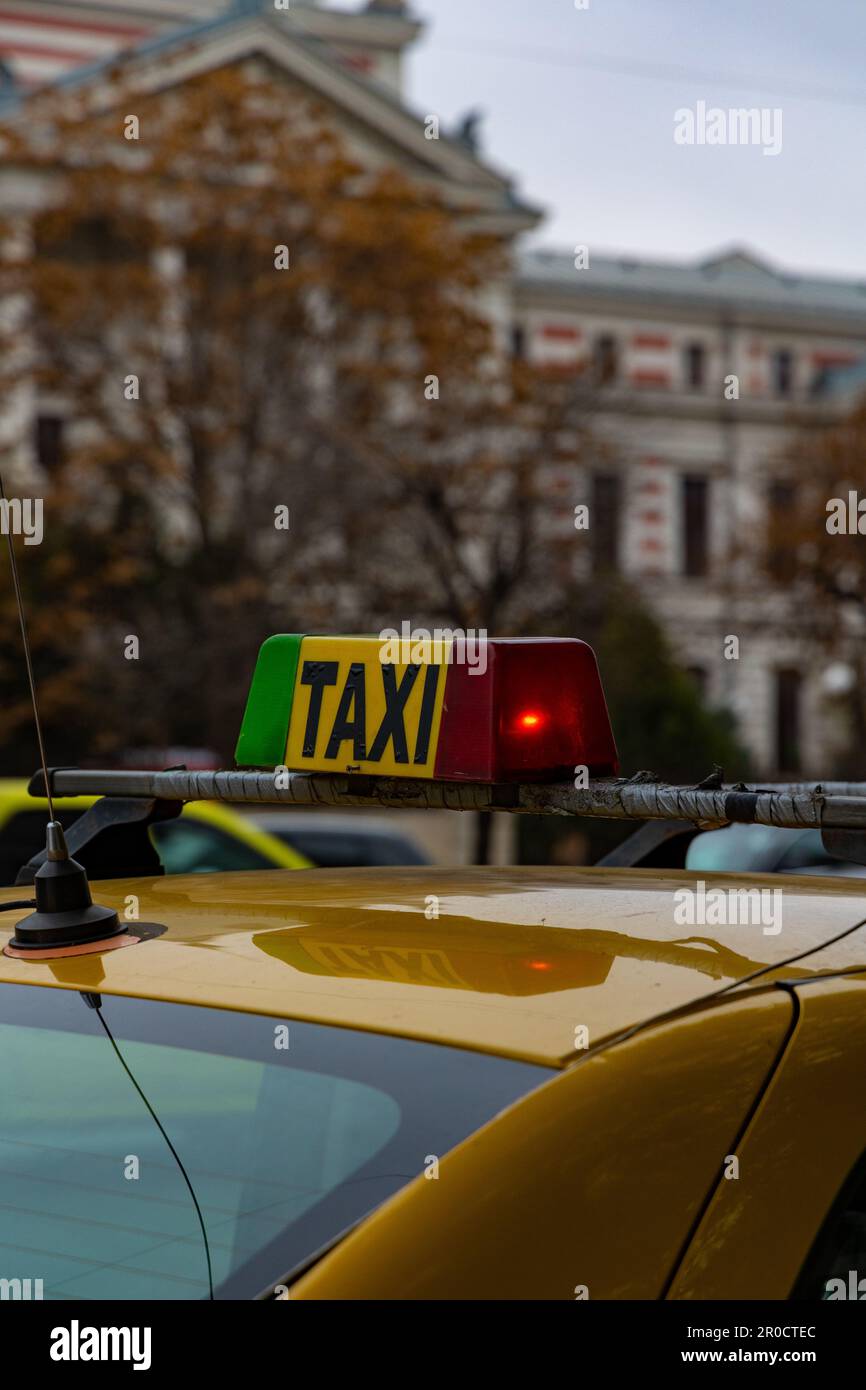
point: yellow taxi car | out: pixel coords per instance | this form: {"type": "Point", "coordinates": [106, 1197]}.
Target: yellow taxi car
{"type": "Point", "coordinates": [551, 1091]}
{"type": "Point", "coordinates": [424, 1083]}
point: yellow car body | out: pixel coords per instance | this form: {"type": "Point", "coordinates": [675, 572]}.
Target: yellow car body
{"type": "Point", "coordinates": [697, 1108]}
{"type": "Point", "coordinates": [225, 824]}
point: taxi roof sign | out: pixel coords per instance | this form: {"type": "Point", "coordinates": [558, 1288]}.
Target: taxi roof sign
{"type": "Point", "coordinates": [528, 709]}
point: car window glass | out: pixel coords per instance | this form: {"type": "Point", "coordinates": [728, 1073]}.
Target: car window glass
{"type": "Point", "coordinates": [338, 849]}
{"type": "Point", "coordinates": [836, 1268]}
{"type": "Point", "coordinates": [289, 1133]}
{"type": "Point", "coordinates": [191, 847]}
{"type": "Point", "coordinates": [329, 849]}
{"type": "Point", "coordinates": [738, 848]}
{"type": "Point", "coordinates": [805, 850]}
{"type": "Point", "coordinates": [760, 849]}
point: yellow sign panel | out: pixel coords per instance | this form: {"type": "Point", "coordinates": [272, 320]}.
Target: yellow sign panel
{"type": "Point", "coordinates": [352, 712]}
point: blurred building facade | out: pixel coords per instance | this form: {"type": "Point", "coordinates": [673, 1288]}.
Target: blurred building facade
{"type": "Point", "coordinates": [348, 61]}
{"type": "Point", "coordinates": [699, 370]}
{"type": "Point", "coordinates": [44, 39]}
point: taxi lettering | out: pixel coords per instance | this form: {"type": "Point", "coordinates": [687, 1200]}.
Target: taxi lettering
{"type": "Point", "coordinates": [350, 721]}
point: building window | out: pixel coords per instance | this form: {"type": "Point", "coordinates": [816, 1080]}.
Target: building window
{"type": "Point", "coordinates": [788, 684]}
{"type": "Point", "coordinates": [518, 340]}
{"type": "Point", "coordinates": [695, 523]}
{"type": "Point", "coordinates": [781, 507]}
{"type": "Point", "coordinates": [696, 366]}
{"type": "Point", "coordinates": [604, 521]}
{"type": "Point", "coordinates": [605, 360]}
{"type": "Point", "coordinates": [698, 676]}
{"type": "Point", "coordinates": [49, 441]}
{"type": "Point", "coordinates": [783, 372]}
{"type": "Point", "coordinates": [88, 241]}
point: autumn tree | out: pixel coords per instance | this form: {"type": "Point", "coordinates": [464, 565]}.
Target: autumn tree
{"type": "Point", "coordinates": [814, 563]}
{"type": "Point", "coordinates": [220, 304]}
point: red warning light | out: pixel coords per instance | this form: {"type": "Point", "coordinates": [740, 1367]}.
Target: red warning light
{"type": "Point", "coordinates": [537, 711]}
{"type": "Point", "coordinates": [530, 720]}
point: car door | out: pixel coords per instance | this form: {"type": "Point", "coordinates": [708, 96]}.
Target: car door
{"type": "Point", "coordinates": [779, 1225]}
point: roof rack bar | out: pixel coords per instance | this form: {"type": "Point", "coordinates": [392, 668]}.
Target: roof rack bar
{"type": "Point", "coordinates": [796, 805]}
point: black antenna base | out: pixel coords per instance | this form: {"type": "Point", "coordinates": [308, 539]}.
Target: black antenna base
{"type": "Point", "coordinates": [66, 914]}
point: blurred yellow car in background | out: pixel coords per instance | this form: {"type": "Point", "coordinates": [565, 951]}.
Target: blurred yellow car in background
{"type": "Point", "coordinates": [207, 836]}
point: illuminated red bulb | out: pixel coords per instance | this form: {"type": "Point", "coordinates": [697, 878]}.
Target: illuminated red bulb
{"type": "Point", "coordinates": [538, 964]}
{"type": "Point", "coordinates": [530, 720]}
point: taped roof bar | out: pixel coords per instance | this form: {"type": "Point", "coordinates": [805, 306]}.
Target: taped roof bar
{"type": "Point", "coordinates": [836, 805]}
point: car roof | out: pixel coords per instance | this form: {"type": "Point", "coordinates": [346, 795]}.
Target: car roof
{"type": "Point", "coordinates": [513, 963]}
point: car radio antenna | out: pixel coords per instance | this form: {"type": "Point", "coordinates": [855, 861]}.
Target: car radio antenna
{"type": "Point", "coordinates": [25, 641]}
{"type": "Point", "coordinates": [65, 912]}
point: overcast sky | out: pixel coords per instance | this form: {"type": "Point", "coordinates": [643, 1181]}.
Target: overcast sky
{"type": "Point", "coordinates": [580, 108]}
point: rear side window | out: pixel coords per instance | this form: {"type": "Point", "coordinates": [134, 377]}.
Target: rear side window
{"type": "Point", "coordinates": [288, 1133]}
{"type": "Point", "coordinates": [188, 846]}
{"type": "Point", "coordinates": [185, 845]}
{"type": "Point", "coordinates": [341, 849]}
{"type": "Point", "coordinates": [836, 1267]}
